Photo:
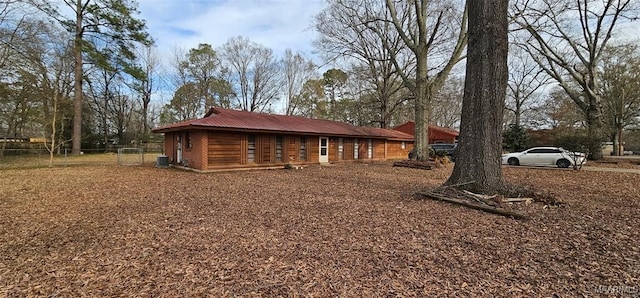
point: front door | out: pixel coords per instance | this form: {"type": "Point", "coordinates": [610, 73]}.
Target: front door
{"type": "Point", "coordinates": [179, 149]}
{"type": "Point", "coordinates": [324, 150]}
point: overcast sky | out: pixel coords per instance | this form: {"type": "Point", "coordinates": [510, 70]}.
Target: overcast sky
{"type": "Point", "coordinates": [277, 24]}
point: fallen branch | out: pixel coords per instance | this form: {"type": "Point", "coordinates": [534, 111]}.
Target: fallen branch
{"type": "Point", "coordinates": [456, 185]}
{"type": "Point", "coordinates": [479, 196]}
{"type": "Point", "coordinates": [514, 200]}
{"type": "Point", "coordinates": [468, 204]}
{"type": "Point", "coordinates": [414, 164]}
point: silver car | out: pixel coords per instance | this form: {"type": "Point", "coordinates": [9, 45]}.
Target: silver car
{"type": "Point", "coordinates": [545, 156]}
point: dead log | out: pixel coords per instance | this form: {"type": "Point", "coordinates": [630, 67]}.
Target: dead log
{"type": "Point", "coordinates": [414, 164]}
{"type": "Point", "coordinates": [490, 209]}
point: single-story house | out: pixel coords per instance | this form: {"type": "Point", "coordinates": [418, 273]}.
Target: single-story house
{"type": "Point", "coordinates": [437, 134]}
{"type": "Point", "coordinates": [226, 138]}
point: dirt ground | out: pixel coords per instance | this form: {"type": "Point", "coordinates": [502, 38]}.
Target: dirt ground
{"type": "Point", "coordinates": [349, 230]}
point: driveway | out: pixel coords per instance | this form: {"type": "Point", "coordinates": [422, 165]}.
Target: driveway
{"type": "Point", "coordinates": [585, 168]}
{"type": "Point", "coordinates": [605, 169]}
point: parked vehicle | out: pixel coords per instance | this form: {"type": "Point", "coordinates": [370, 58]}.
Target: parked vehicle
{"type": "Point", "coordinates": [451, 149]}
{"type": "Point", "coordinates": [545, 156]}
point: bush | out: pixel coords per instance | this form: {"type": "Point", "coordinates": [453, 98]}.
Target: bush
{"type": "Point", "coordinates": [440, 153]}
{"type": "Point", "coordinates": [515, 138]}
{"type": "Point", "coordinates": [578, 143]}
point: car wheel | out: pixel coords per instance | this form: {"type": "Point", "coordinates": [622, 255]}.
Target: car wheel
{"type": "Point", "coordinates": [563, 163]}
{"type": "Point", "coordinates": [513, 161]}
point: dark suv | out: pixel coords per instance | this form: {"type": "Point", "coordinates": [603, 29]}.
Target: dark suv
{"type": "Point", "coordinates": [450, 148]}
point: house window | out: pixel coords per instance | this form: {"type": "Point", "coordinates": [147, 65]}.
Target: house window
{"type": "Point", "coordinates": [278, 148]}
{"type": "Point", "coordinates": [403, 145]}
{"type": "Point", "coordinates": [251, 148]}
{"type": "Point", "coordinates": [189, 140]}
{"type": "Point", "coordinates": [355, 148]}
{"type": "Point", "coordinates": [340, 148]}
{"type": "Point", "coordinates": [370, 149]}
{"type": "Point", "coordinates": [303, 149]}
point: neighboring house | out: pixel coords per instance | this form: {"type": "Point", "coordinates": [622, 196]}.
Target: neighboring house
{"type": "Point", "coordinates": [226, 138]}
{"type": "Point", "coordinates": [437, 134]}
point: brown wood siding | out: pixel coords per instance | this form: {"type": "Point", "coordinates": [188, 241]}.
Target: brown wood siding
{"type": "Point", "coordinates": [333, 149]}
{"type": "Point", "coordinates": [265, 149]}
{"type": "Point", "coordinates": [313, 150]}
{"type": "Point", "coordinates": [224, 148]}
{"type": "Point", "coordinates": [395, 151]}
{"type": "Point", "coordinates": [292, 148]}
{"type": "Point", "coordinates": [362, 148]}
{"type": "Point", "coordinates": [169, 146]}
{"type": "Point", "coordinates": [221, 149]}
{"type": "Point", "coordinates": [244, 147]}
{"type": "Point", "coordinates": [348, 148]}
{"type": "Point", "coordinates": [378, 149]}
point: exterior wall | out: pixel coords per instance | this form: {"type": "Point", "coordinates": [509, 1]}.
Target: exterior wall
{"type": "Point", "coordinates": [395, 151]}
{"type": "Point", "coordinates": [292, 148]}
{"type": "Point", "coordinates": [223, 149]}
{"type": "Point", "coordinates": [169, 146]}
{"type": "Point", "coordinates": [362, 148]}
{"type": "Point", "coordinates": [333, 149]}
{"type": "Point", "coordinates": [379, 150]}
{"type": "Point", "coordinates": [313, 150]}
{"type": "Point", "coordinates": [193, 147]}
{"type": "Point", "coordinates": [348, 149]}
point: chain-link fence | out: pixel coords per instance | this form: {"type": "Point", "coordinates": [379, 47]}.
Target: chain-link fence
{"type": "Point", "coordinates": [38, 157]}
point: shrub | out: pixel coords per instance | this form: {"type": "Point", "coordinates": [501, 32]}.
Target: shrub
{"type": "Point", "coordinates": [515, 138]}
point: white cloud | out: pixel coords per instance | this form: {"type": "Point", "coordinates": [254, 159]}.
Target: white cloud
{"type": "Point", "coordinates": [277, 24]}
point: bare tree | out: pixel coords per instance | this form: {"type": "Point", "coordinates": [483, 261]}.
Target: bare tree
{"type": "Point", "coordinates": [109, 22]}
{"type": "Point", "coordinates": [620, 90]}
{"type": "Point", "coordinates": [447, 103]}
{"type": "Point", "coordinates": [567, 39]}
{"type": "Point", "coordinates": [558, 112]}
{"type": "Point", "coordinates": [102, 85]}
{"type": "Point", "coordinates": [344, 36]}
{"type": "Point", "coordinates": [26, 50]}
{"type": "Point", "coordinates": [253, 72]}
{"type": "Point", "coordinates": [54, 64]}
{"type": "Point", "coordinates": [150, 62]}
{"type": "Point", "coordinates": [480, 145]}
{"type": "Point", "coordinates": [526, 79]}
{"type": "Point", "coordinates": [297, 70]}
{"type": "Point", "coordinates": [428, 29]}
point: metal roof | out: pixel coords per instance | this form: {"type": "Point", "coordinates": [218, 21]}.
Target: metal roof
{"type": "Point", "coordinates": [219, 118]}
{"type": "Point", "coordinates": [411, 126]}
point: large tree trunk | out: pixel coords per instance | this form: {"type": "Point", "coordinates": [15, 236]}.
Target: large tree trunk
{"type": "Point", "coordinates": [594, 130]}
{"type": "Point", "coordinates": [77, 87]}
{"type": "Point", "coordinates": [478, 164]}
{"type": "Point", "coordinates": [422, 102]}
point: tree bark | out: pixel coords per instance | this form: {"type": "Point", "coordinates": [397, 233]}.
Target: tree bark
{"type": "Point", "coordinates": [480, 146]}
{"type": "Point", "coordinates": [78, 73]}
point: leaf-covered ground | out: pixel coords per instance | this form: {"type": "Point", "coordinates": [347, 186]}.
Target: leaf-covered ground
{"type": "Point", "coordinates": [349, 230]}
